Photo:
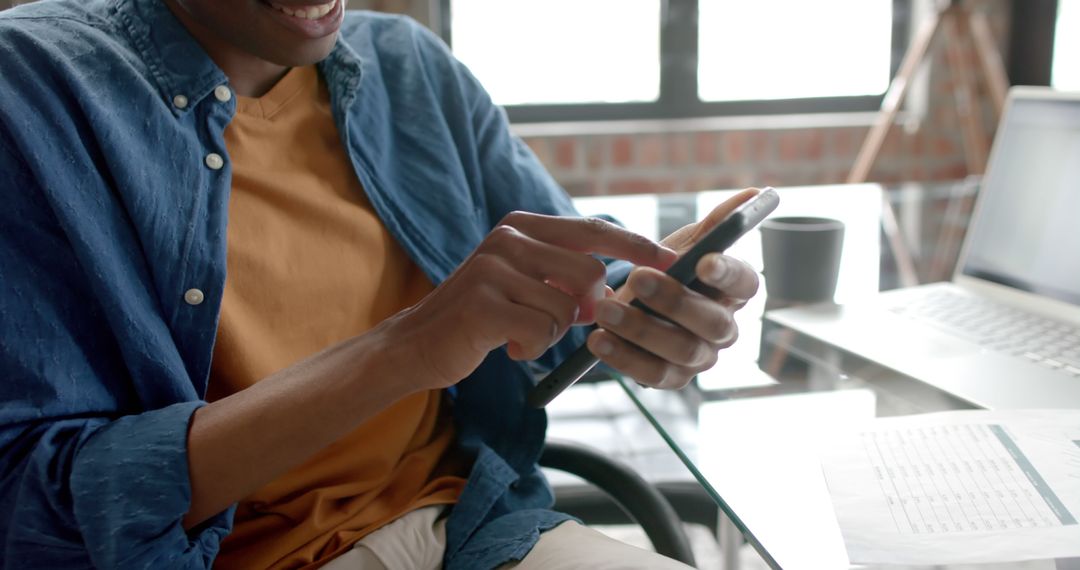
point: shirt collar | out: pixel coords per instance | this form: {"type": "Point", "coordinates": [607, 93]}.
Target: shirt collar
{"type": "Point", "coordinates": [184, 73]}
{"type": "Point", "coordinates": [342, 70]}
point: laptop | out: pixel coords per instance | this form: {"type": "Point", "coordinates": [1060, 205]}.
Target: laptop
{"type": "Point", "coordinates": [1004, 332]}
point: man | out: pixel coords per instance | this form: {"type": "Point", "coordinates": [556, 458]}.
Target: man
{"type": "Point", "coordinates": [320, 225]}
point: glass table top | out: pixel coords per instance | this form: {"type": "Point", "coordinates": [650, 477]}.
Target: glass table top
{"type": "Point", "coordinates": [895, 235]}
{"type": "Point", "coordinates": [748, 426]}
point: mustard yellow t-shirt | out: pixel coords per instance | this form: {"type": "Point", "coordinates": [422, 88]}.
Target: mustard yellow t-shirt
{"type": "Point", "coordinates": [310, 264]}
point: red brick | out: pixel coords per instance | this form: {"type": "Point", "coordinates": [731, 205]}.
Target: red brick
{"type": "Point", "coordinates": [705, 151]}
{"type": "Point", "coordinates": [395, 6]}
{"type": "Point", "coordinates": [919, 143]}
{"type": "Point", "coordinates": [728, 182]}
{"type": "Point", "coordinates": [815, 144]}
{"type": "Point", "coordinates": [758, 145]}
{"type": "Point", "coordinates": [581, 188]}
{"type": "Point", "coordinates": [641, 186]}
{"type": "Point", "coordinates": [950, 172]}
{"type": "Point", "coordinates": [801, 145]}
{"type": "Point", "coordinates": [889, 176]}
{"type": "Point", "coordinates": [894, 143]}
{"type": "Point", "coordinates": [844, 143]}
{"type": "Point", "coordinates": [566, 153]}
{"type": "Point", "coordinates": [943, 145]}
{"type": "Point", "coordinates": [769, 178]}
{"type": "Point", "coordinates": [678, 149]}
{"type": "Point", "coordinates": [972, 59]}
{"type": "Point", "coordinates": [945, 115]}
{"type": "Point", "coordinates": [696, 184]}
{"type": "Point", "coordinates": [595, 152]}
{"type": "Point", "coordinates": [745, 179]}
{"type": "Point", "coordinates": [542, 149]}
{"type": "Point", "coordinates": [917, 171]}
{"type": "Point", "coordinates": [736, 147]}
{"type": "Point", "coordinates": [835, 176]}
{"type": "Point", "coordinates": [789, 146]}
{"type": "Point", "coordinates": [651, 150]}
{"type": "Point", "coordinates": [907, 142]}
{"type": "Point", "coordinates": [801, 176]}
{"type": "Point", "coordinates": [622, 151]}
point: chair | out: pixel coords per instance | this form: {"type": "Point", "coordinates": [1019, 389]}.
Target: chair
{"type": "Point", "coordinates": [635, 498]}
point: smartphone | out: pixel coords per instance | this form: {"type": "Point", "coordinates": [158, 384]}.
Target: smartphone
{"type": "Point", "coordinates": [734, 226]}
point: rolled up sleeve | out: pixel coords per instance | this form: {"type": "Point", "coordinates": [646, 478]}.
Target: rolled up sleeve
{"type": "Point", "coordinates": [130, 490]}
{"type": "Point", "coordinates": [107, 494]}
{"type": "Point", "coordinates": [89, 477]}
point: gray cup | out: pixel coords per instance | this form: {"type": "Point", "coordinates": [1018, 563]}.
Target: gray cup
{"type": "Point", "coordinates": [802, 258]}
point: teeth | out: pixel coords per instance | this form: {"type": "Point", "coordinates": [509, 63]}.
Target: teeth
{"type": "Point", "coordinates": [306, 12]}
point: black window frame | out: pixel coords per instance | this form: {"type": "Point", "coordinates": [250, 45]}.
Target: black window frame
{"type": "Point", "coordinates": [1033, 24]}
{"type": "Point", "coordinates": [678, 78]}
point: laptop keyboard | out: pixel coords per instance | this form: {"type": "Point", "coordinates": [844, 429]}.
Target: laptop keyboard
{"type": "Point", "coordinates": [999, 328]}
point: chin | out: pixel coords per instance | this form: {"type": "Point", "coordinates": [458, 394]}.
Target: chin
{"type": "Point", "coordinates": [308, 54]}
{"type": "Point", "coordinates": [306, 57]}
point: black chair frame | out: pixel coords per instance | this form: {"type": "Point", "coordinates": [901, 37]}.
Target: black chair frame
{"type": "Point", "coordinates": [637, 498]}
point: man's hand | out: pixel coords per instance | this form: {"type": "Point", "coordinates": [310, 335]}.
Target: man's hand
{"type": "Point", "coordinates": [529, 280]}
{"type": "Point", "coordinates": [665, 354]}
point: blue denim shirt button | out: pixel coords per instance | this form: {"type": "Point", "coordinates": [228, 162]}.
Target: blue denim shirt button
{"type": "Point", "coordinates": [194, 297]}
{"type": "Point", "coordinates": [214, 161]}
{"type": "Point", "coordinates": [223, 93]}
{"type": "Point", "coordinates": [180, 102]}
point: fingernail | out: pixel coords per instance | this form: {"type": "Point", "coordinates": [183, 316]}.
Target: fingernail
{"type": "Point", "coordinates": [599, 291]}
{"type": "Point", "coordinates": [610, 313]}
{"type": "Point", "coordinates": [645, 286]}
{"type": "Point", "coordinates": [603, 347]}
{"type": "Point", "coordinates": [719, 268]}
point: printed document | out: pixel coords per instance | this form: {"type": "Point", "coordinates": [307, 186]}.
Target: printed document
{"type": "Point", "coordinates": [958, 487]}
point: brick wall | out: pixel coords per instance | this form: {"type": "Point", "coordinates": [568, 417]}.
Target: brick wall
{"type": "Point", "coordinates": [689, 160]}
{"type": "Point", "coordinates": [691, 155]}
{"type": "Point", "coordinates": [687, 156]}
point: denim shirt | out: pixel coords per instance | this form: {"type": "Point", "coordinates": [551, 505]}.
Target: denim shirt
{"type": "Point", "coordinates": [112, 268]}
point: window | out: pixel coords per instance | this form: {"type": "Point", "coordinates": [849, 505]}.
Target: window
{"type": "Point", "coordinates": [1065, 73]}
{"type": "Point", "coordinates": [530, 52]}
{"type": "Point", "coordinates": [610, 59]}
{"type": "Point", "coordinates": [804, 51]}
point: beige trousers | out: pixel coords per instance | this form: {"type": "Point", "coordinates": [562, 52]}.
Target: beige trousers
{"type": "Point", "coordinates": [417, 540]}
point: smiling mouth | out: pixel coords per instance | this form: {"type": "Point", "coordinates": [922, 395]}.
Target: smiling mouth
{"type": "Point", "coordinates": [313, 12]}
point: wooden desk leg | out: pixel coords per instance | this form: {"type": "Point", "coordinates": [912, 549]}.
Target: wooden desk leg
{"type": "Point", "coordinates": [905, 262]}
{"type": "Point", "coordinates": [947, 246]}
{"type": "Point", "coordinates": [894, 98]}
{"type": "Point", "coordinates": [957, 22]}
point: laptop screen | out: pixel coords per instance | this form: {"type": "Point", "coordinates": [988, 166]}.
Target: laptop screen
{"type": "Point", "coordinates": [1026, 234]}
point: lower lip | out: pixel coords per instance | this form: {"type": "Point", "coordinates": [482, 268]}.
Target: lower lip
{"type": "Point", "coordinates": [311, 29]}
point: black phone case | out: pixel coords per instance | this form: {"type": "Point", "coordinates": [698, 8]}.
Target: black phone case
{"type": "Point", "coordinates": [720, 238]}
